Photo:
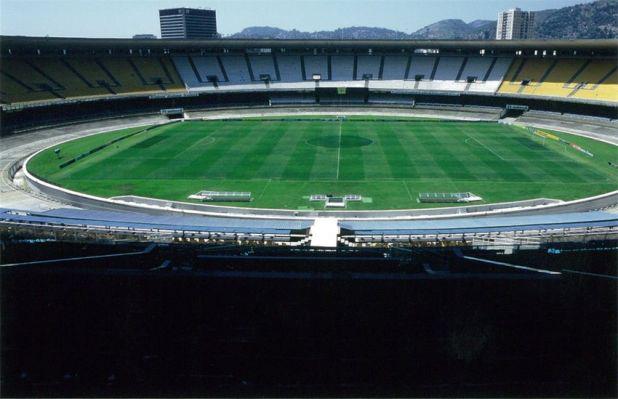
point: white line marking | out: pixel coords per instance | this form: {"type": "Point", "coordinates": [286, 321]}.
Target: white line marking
{"type": "Point", "coordinates": [264, 189]}
{"type": "Point", "coordinates": [487, 148]}
{"type": "Point", "coordinates": [339, 150]}
{"type": "Point", "coordinates": [408, 190]}
{"type": "Point", "coordinates": [493, 262]}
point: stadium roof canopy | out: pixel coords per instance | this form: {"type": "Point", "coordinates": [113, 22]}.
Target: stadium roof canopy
{"type": "Point", "coordinates": [24, 44]}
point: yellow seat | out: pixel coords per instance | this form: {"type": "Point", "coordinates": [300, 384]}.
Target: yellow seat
{"type": "Point", "coordinates": [589, 86]}
{"type": "Point", "coordinates": [72, 84]}
{"type": "Point", "coordinates": [509, 85]}
{"type": "Point", "coordinates": [13, 92]}
{"type": "Point", "coordinates": [555, 83]}
{"type": "Point", "coordinates": [20, 82]}
{"type": "Point", "coordinates": [141, 74]}
{"type": "Point", "coordinates": [153, 71]}
{"type": "Point", "coordinates": [91, 71]}
{"type": "Point", "coordinates": [533, 71]}
{"type": "Point", "coordinates": [46, 78]}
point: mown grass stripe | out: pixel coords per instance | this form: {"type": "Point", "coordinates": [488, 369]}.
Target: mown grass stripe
{"type": "Point", "coordinates": [447, 157]}
{"type": "Point", "coordinates": [351, 160]}
{"type": "Point", "coordinates": [389, 162]}
{"type": "Point", "coordinates": [275, 163]}
{"type": "Point", "coordinates": [416, 140]}
{"type": "Point", "coordinates": [554, 169]}
{"type": "Point", "coordinates": [243, 142]}
{"type": "Point", "coordinates": [302, 160]}
{"type": "Point", "coordinates": [251, 162]}
{"type": "Point", "coordinates": [375, 165]}
{"type": "Point", "coordinates": [399, 163]}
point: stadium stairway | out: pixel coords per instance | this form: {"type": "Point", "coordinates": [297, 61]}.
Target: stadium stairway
{"type": "Point", "coordinates": [324, 232]}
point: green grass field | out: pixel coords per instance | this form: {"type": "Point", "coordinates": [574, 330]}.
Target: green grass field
{"type": "Point", "coordinates": [283, 162]}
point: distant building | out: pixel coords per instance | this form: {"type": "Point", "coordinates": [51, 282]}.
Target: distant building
{"type": "Point", "coordinates": [515, 24]}
{"type": "Point", "coordinates": [188, 23]}
{"type": "Point", "coordinates": [144, 36]}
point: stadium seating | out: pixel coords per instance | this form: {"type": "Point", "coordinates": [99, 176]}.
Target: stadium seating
{"type": "Point", "coordinates": [421, 68]}
{"type": "Point", "coordinates": [90, 73]}
{"type": "Point", "coordinates": [445, 75]}
{"type": "Point", "coordinates": [535, 73]}
{"type": "Point", "coordinates": [448, 68]}
{"type": "Point", "coordinates": [492, 78]}
{"type": "Point", "coordinates": [316, 64]}
{"type": "Point", "coordinates": [26, 79]}
{"type": "Point", "coordinates": [598, 81]}
{"type": "Point", "coordinates": [289, 68]}
{"type": "Point", "coordinates": [83, 74]}
{"type": "Point", "coordinates": [476, 68]}
{"type": "Point", "coordinates": [526, 74]}
{"type": "Point", "coordinates": [368, 65]}
{"type": "Point", "coordinates": [208, 66]}
{"type": "Point", "coordinates": [263, 65]}
{"type": "Point", "coordinates": [21, 83]}
{"type": "Point", "coordinates": [198, 72]}
{"type": "Point", "coordinates": [556, 82]}
{"type": "Point", "coordinates": [236, 68]}
{"type": "Point", "coordinates": [342, 67]}
{"type": "Point", "coordinates": [151, 72]}
{"type": "Point", "coordinates": [186, 72]}
{"type": "Point", "coordinates": [510, 84]}
{"type": "Point", "coordinates": [576, 78]}
{"type": "Point", "coordinates": [140, 74]}
{"type": "Point", "coordinates": [50, 78]}
{"type": "Point", "coordinates": [34, 79]}
{"type": "Point", "coordinates": [395, 67]}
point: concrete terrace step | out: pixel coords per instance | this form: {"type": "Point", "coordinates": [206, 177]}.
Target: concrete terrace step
{"type": "Point", "coordinates": [324, 232]}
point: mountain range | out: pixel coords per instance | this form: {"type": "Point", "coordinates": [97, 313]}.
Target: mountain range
{"type": "Point", "coordinates": [595, 20]}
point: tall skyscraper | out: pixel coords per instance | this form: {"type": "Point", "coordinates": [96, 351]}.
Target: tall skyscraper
{"type": "Point", "coordinates": [188, 23]}
{"type": "Point", "coordinates": [515, 24]}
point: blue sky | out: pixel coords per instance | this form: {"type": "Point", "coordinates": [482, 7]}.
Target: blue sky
{"type": "Point", "coordinates": [124, 18]}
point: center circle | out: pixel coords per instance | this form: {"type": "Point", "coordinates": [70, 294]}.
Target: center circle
{"type": "Point", "coordinates": [335, 141]}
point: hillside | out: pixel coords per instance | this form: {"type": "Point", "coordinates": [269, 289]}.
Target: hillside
{"type": "Point", "coordinates": [445, 29]}
{"type": "Point", "coordinates": [596, 20]}
{"type": "Point", "coordinates": [456, 29]}
{"type": "Point", "coordinates": [354, 32]}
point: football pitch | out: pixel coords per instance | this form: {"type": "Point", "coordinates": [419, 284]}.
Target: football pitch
{"type": "Point", "coordinates": [284, 161]}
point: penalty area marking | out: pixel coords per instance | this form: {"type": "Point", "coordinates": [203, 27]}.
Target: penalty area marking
{"type": "Point", "coordinates": [264, 189]}
{"type": "Point", "coordinates": [484, 146]}
{"type": "Point", "coordinates": [206, 141]}
{"type": "Point", "coordinates": [408, 190]}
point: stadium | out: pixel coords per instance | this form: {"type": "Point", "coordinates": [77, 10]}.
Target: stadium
{"type": "Point", "coordinates": [474, 168]}
{"type": "Point", "coordinates": [337, 132]}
